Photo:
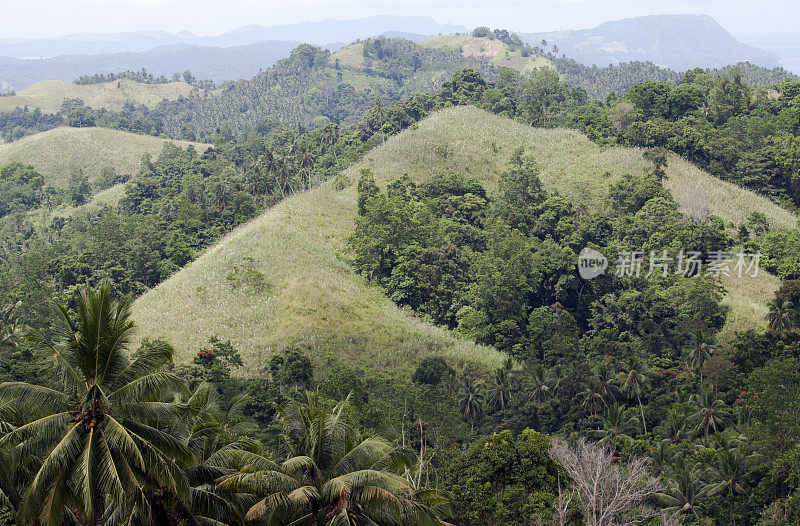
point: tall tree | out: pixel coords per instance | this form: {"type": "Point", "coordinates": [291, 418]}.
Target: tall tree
{"type": "Point", "coordinates": [470, 400]}
{"type": "Point", "coordinates": [635, 382]}
{"type": "Point", "coordinates": [710, 411]}
{"type": "Point", "coordinates": [700, 352]}
{"type": "Point", "coordinates": [729, 468]}
{"type": "Point", "coordinates": [500, 389]}
{"type": "Point", "coordinates": [781, 316]}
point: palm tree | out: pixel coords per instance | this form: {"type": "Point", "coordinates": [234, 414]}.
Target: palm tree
{"type": "Point", "coordinates": [10, 327]}
{"type": "Point", "coordinates": [730, 467]}
{"type": "Point", "coordinates": [12, 477]}
{"type": "Point", "coordinates": [710, 411]}
{"type": "Point", "coordinates": [379, 115]}
{"type": "Point", "coordinates": [330, 135]}
{"type": "Point", "coordinates": [305, 161]}
{"type": "Point", "coordinates": [470, 400]}
{"type": "Point", "coordinates": [500, 389]}
{"type": "Point", "coordinates": [558, 375]}
{"type": "Point", "coordinates": [540, 385]}
{"type": "Point", "coordinates": [592, 400]}
{"type": "Point", "coordinates": [604, 380]}
{"type": "Point", "coordinates": [221, 193]}
{"type": "Point", "coordinates": [782, 316]}
{"type": "Point", "coordinates": [660, 457]}
{"type": "Point", "coordinates": [331, 474]}
{"type": "Point", "coordinates": [615, 424]}
{"type": "Point", "coordinates": [272, 165]}
{"type": "Point", "coordinates": [213, 438]}
{"type": "Point", "coordinates": [216, 424]}
{"type": "Point", "coordinates": [683, 492]}
{"type": "Point", "coordinates": [258, 184]}
{"type": "Point", "coordinates": [700, 352]}
{"type": "Point", "coordinates": [674, 427]}
{"type": "Point", "coordinates": [216, 440]}
{"type": "Point", "coordinates": [635, 382]}
{"type": "Point", "coordinates": [97, 432]}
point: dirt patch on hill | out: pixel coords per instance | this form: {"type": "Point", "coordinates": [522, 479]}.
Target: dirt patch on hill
{"type": "Point", "coordinates": [482, 47]}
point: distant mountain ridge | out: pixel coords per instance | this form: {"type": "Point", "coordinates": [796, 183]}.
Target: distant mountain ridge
{"type": "Point", "coordinates": [235, 55]}
{"type": "Point", "coordinates": [678, 42]}
{"type": "Point", "coordinates": [205, 62]}
{"type": "Point", "coordinates": [318, 33]}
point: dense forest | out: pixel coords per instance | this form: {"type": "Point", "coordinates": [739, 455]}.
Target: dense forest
{"type": "Point", "coordinates": [618, 403]}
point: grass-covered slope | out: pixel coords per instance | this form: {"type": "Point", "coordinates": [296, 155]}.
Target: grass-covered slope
{"type": "Point", "coordinates": [57, 152]}
{"type": "Point", "coordinates": [471, 141]}
{"type": "Point", "coordinates": [310, 297]}
{"type": "Point", "coordinates": [496, 52]}
{"type": "Point", "coordinates": [49, 95]}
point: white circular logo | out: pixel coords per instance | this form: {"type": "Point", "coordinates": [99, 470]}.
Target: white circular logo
{"type": "Point", "coordinates": [591, 263]}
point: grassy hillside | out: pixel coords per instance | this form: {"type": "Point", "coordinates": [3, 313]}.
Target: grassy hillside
{"type": "Point", "coordinates": [108, 197]}
{"type": "Point", "coordinates": [311, 298]}
{"type": "Point", "coordinates": [351, 56]}
{"type": "Point", "coordinates": [55, 153]}
{"type": "Point", "coordinates": [49, 95]}
{"type": "Point", "coordinates": [447, 42]}
{"type": "Point", "coordinates": [496, 52]}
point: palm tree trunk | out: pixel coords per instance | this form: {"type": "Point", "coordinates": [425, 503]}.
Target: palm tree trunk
{"type": "Point", "coordinates": [641, 408]}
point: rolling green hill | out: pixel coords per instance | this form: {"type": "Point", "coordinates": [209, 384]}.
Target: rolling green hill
{"type": "Point", "coordinates": [49, 95]}
{"type": "Point", "coordinates": [302, 292]}
{"type": "Point", "coordinates": [55, 153]}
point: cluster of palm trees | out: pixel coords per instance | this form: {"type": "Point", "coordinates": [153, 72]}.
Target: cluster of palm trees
{"type": "Point", "coordinates": [722, 474]}
{"type": "Point", "coordinates": [119, 439]}
{"type": "Point", "coordinates": [603, 397]}
{"type": "Point", "coordinates": [536, 384]}
{"type": "Point", "coordinates": [284, 171]}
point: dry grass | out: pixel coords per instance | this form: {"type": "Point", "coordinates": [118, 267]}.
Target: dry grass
{"type": "Point", "coordinates": [515, 60]}
{"type": "Point", "coordinates": [351, 56]}
{"type": "Point", "coordinates": [482, 47]}
{"type": "Point", "coordinates": [747, 297]}
{"type": "Point", "coordinates": [447, 42]}
{"type": "Point", "coordinates": [497, 52]}
{"type": "Point", "coordinates": [473, 142]}
{"type": "Point", "coordinates": [50, 94]}
{"type": "Point", "coordinates": [57, 152]}
{"type": "Point", "coordinates": [698, 191]}
{"type": "Point", "coordinates": [311, 297]}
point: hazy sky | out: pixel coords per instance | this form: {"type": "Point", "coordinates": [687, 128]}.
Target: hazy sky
{"type": "Point", "coordinates": [37, 18]}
